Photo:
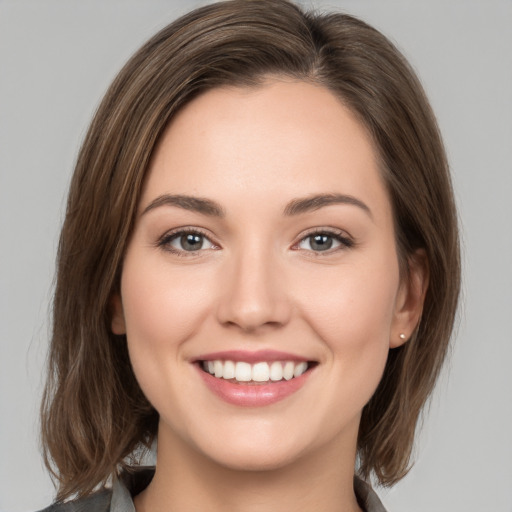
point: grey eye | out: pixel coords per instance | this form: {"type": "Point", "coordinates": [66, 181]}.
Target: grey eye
{"type": "Point", "coordinates": [320, 242]}
{"type": "Point", "coordinates": [190, 242]}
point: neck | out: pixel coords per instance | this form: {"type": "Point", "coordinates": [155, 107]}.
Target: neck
{"type": "Point", "coordinates": [186, 480]}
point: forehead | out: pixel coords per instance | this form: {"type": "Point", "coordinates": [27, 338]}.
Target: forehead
{"type": "Point", "coordinates": [276, 141]}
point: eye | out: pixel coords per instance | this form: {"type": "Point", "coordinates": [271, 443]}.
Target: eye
{"type": "Point", "coordinates": [323, 241]}
{"type": "Point", "coordinates": [186, 241]}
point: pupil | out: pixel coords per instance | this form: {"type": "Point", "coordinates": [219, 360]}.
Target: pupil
{"type": "Point", "coordinates": [321, 242]}
{"type": "Point", "coordinates": [191, 242]}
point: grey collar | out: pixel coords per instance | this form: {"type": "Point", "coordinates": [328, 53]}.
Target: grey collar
{"type": "Point", "coordinates": [131, 484]}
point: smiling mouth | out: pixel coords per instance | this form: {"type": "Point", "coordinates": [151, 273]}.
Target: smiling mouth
{"type": "Point", "coordinates": [263, 372]}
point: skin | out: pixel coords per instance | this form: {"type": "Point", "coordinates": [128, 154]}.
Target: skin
{"type": "Point", "coordinates": [257, 284]}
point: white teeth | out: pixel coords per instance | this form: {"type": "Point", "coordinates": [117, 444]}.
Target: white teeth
{"type": "Point", "coordinates": [276, 371]}
{"type": "Point", "coordinates": [258, 372]}
{"type": "Point", "coordinates": [300, 369]}
{"type": "Point", "coordinates": [243, 372]}
{"type": "Point", "coordinates": [218, 368]}
{"type": "Point", "coordinates": [288, 370]}
{"type": "Point", "coordinates": [229, 370]}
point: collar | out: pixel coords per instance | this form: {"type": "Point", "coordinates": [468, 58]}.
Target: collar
{"type": "Point", "coordinates": [131, 483]}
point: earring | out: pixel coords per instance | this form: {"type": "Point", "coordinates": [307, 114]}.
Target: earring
{"type": "Point", "coordinates": [402, 336]}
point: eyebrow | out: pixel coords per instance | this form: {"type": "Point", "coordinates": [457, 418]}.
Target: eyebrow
{"type": "Point", "coordinates": [294, 207]}
{"type": "Point", "coordinates": [312, 203]}
{"type": "Point", "coordinates": [195, 204]}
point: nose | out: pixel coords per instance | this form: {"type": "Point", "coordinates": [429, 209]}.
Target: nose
{"type": "Point", "coordinates": [254, 294]}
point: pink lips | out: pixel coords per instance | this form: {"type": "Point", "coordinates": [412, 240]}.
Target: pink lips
{"type": "Point", "coordinates": [251, 394]}
{"type": "Point", "coordinates": [251, 357]}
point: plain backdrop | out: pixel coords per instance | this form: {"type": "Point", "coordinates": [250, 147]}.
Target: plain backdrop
{"type": "Point", "coordinates": [56, 59]}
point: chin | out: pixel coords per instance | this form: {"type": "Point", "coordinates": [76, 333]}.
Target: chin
{"type": "Point", "coordinates": [241, 445]}
{"type": "Point", "coordinates": [264, 446]}
{"type": "Point", "coordinates": [255, 459]}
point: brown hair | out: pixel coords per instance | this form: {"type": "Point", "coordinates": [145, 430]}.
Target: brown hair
{"type": "Point", "coordinates": [94, 414]}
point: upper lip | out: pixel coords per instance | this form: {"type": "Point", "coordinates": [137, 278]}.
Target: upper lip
{"type": "Point", "coordinates": [251, 356]}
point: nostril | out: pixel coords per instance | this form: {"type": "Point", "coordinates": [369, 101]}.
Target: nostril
{"type": "Point", "coordinates": [252, 303]}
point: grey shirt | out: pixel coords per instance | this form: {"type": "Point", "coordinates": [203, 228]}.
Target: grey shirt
{"type": "Point", "coordinates": [120, 497]}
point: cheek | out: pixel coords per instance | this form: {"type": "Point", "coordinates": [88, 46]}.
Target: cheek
{"type": "Point", "coordinates": [352, 312]}
{"type": "Point", "coordinates": [163, 308]}
{"type": "Point", "coordinates": [351, 303]}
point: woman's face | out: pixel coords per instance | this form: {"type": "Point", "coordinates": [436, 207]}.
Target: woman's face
{"type": "Point", "coordinates": [264, 246]}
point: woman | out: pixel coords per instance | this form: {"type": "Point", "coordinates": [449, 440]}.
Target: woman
{"type": "Point", "coordinates": [258, 269]}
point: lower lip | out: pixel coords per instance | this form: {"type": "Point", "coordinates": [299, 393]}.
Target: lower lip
{"type": "Point", "coordinates": [253, 395]}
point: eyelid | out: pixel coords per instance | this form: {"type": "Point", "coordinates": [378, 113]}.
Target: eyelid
{"type": "Point", "coordinates": [164, 240]}
{"type": "Point", "coordinates": [345, 239]}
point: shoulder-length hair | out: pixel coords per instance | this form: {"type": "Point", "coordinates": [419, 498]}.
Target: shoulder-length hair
{"type": "Point", "coordinates": [94, 414]}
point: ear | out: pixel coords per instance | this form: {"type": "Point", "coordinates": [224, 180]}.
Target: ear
{"type": "Point", "coordinates": [410, 299]}
{"type": "Point", "coordinates": [117, 323]}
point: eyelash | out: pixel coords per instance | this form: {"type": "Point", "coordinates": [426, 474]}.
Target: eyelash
{"type": "Point", "coordinates": [345, 241]}
{"type": "Point", "coordinates": [339, 236]}
{"type": "Point", "coordinates": [165, 241]}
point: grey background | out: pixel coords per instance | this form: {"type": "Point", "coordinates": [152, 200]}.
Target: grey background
{"type": "Point", "coordinates": [56, 59]}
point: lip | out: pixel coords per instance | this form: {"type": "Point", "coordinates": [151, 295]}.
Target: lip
{"type": "Point", "coordinates": [251, 357]}
{"type": "Point", "coordinates": [252, 394]}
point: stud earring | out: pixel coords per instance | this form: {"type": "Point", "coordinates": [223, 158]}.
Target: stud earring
{"type": "Point", "coordinates": [402, 336]}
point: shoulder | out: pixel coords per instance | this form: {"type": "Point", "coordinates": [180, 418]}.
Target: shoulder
{"type": "Point", "coordinates": [97, 502]}
{"type": "Point", "coordinates": [117, 499]}
{"type": "Point", "coordinates": [367, 497]}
